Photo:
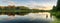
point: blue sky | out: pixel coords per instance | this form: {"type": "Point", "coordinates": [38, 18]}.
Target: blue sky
{"type": "Point", "coordinates": [30, 3]}
{"type": "Point", "coordinates": [27, 2]}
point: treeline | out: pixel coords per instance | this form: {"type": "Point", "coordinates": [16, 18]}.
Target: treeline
{"type": "Point", "coordinates": [19, 10]}
{"type": "Point", "coordinates": [56, 10]}
{"type": "Point", "coordinates": [37, 10]}
{"type": "Point", "coordinates": [15, 10]}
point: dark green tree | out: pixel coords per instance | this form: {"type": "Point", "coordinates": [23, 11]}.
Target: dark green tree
{"type": "Point", "coordinates": [58, 5]}
{"type": "Point", "coordinates": [54, 9]}
{"type": "Point", "coordinates": [57, 10]}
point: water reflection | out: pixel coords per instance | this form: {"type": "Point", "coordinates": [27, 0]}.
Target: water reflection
{"type": "Point", "coordinates": [29, 18]}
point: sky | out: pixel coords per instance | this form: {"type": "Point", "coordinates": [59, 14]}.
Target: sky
{"type": "Point", "coordinates": [29, 3]}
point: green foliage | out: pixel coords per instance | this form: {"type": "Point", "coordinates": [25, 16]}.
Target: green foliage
{"type": "Point", "coordinates": [58, 5]}
{"type": "Point", "coordinates": [19, 9]}
{"type": "Point", "coordinates": [56, 10]}
{"type": "Point", "coordinates": [58, 14]}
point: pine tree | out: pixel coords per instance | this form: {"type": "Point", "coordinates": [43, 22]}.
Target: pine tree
{"type": "Point", "coordinates": [58, 5]}
{"type": "Point", "coordinates": [54, 8]}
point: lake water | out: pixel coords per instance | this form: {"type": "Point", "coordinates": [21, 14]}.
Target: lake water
{"type": "Point", "coordinates": [29, 18]}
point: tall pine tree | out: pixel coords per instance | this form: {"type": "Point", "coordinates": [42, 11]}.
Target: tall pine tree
{"type": "Point", "coordinates": [58, 5]}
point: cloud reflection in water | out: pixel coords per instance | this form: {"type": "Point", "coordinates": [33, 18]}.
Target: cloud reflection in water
{"type": "Point", "coordinates": [30, 18]}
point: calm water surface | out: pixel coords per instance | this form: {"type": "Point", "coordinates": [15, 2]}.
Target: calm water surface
{"type": "Point", "coordinates": [29, 18]}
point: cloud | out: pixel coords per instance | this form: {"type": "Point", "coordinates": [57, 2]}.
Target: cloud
{"type": "Point", "coordinates": [31, 4]}
{"type": "Point", "coordinates": [9, 2]}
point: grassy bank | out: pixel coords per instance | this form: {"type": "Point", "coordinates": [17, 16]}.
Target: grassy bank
{"type": "Point", "coordinates": [56, 20]}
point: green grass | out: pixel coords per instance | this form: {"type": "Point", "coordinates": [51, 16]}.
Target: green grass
{"type": "Point", "coordinates": [56, 20]}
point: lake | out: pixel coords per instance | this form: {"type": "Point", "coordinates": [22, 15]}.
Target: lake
{"type": "Point", "coordinates": [41, 17]}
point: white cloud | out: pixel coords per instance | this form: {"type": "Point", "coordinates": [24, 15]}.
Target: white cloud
{"type": "Point", "coordinates": [9, 2]}
{"type": "Point", "coordinates": [39, 5]}
{"type": "Point", "coordinates": [30, 4]}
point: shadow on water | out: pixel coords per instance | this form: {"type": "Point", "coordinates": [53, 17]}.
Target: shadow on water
{"type": "Point", "coordinates": [14, 13]}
